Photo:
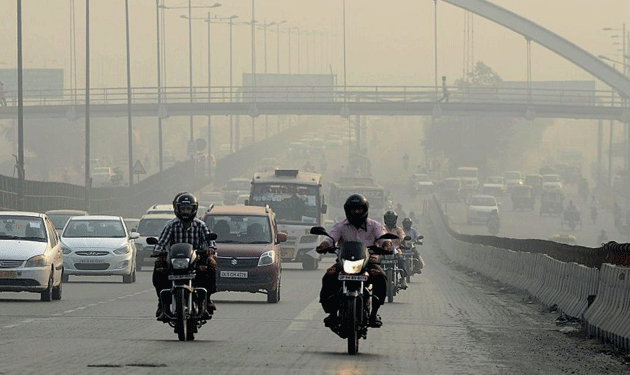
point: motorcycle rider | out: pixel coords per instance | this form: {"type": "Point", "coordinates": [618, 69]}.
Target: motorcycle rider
{"type": "Point", "coordinates": [186, 228]}
{"type": "Point", "coordinates": [356, 227]}
{"type": "Point", "coordinates": [494, 222]}
{"type": "Point", "coordinates": [390, 219]}
{"type": "Point", "coordinates": [411, 232]}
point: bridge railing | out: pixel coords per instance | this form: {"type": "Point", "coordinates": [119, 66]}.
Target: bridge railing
{"type": "Point", "coordinates": [227, 94]}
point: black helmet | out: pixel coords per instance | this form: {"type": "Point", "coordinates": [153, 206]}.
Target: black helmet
{"type": "Point", "coordinates": [356, 201]}
{"type": "Point", "coordinates": [390, 218]}
{"type": "Point", "coordinates": [183, 200]}
{"type": "Point", "coordinates": [406, 223]}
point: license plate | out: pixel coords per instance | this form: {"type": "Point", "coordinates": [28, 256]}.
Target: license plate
{"type": "Point", "coordinates": [8, 274]}
{"type": "Point", "coordinates": [388, 261]}
{"type": "Point", "coordinates": [180, 277]}
{"type": "Point", "coordinates": [234, 274]}
{"type": "Point", "coordinates": [353, 277]}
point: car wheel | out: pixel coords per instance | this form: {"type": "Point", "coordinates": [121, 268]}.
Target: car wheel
{"type": "Point", "coordinates": [46, 295]}
{"type": "Point", "coordinates": [128, 279]}
{"type": "Point", "coordinates": [56, 291]}
{"type": "Point", "coordinates": [273, 296]}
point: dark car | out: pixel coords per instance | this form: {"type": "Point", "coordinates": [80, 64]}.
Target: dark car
{"type": "Point", "coordinates": [248, 249]}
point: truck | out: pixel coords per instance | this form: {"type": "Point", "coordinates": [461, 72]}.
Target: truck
{"type": "Point", "coordinates": [297, 199]}
{"type": "Point", "coordinates": [344, 187]}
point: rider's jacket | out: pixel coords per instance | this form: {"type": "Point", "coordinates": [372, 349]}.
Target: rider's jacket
{"type": "Point", "coordinates": [344, 231]}
{"type": "Point", "coordinates": [412, 233]}
{"type": "Point", "coordinates": [175, 231]}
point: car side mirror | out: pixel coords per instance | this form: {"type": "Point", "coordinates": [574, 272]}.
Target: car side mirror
{"type": "Point", "coordinates": [134, 235]}
{"type": "Point", "coordinates": [281, 237]}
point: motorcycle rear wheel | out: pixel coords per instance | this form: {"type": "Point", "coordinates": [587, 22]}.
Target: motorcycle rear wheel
{"type": "Point", "coordinates": [390, 286]}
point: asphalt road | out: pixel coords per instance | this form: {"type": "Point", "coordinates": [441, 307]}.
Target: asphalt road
{"type": "Point", "coordinates": [448, 322]}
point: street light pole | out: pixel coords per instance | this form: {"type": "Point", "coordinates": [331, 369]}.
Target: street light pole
{"type": "Point", "coordinates": [87, 105]}
{"type": "Point", "coordinates": [289, 49]}
{"type": "Point", "coordinates": [231, 98]}
{"type": "Point", "coordinates": [20, 158]}
{"type": "Point", "coordinates": [278, 45]}
{"type": "Point", "coordinates": [190, 151]}
{"type": "Point", "coordinates": [129, 121]}
{"type": "Point", "coordinates": [159, 83]}
{"type": "Point", "coordinates": [209, 158]}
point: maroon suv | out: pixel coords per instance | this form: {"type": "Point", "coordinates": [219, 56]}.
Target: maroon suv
{"type": "Point", "coordinates": [248, 249]}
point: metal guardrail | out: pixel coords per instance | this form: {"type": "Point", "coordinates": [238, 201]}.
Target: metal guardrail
{"type": "Point", "coordinates": [227, 94]}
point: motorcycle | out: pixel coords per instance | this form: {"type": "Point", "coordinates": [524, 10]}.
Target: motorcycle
{"type": "Point", "coordinates": [410, 262]}
{"type": "Point", "coordinates": [184, 305]}
{"type": "Point", "coordinates": [355, 296]}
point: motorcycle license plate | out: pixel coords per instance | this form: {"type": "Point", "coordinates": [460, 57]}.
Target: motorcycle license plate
{"type": "Point", "coordinates": [234, 274]}
{"type": "Point", "coordinates": [353, 277]}
{"type": "Point", "coordinates": [180, 277]}
{"type": "Point", "coordinates": [389, 261]}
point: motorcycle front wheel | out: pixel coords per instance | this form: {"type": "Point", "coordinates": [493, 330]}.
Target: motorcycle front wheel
{"type": "Point", "coordinates": [182, 326]}
{"type": "Point", "coordinates": [351, 311]}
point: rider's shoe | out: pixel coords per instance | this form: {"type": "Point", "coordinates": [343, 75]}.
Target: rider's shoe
{"type": "Point", "coordinates": [403, 283]}
{"type": "Point", "coordinates": [375, 321]}
{"type": "Point", "coordinates": [159, 314]}
{"type": "Point", "coordinates": [330, 321]}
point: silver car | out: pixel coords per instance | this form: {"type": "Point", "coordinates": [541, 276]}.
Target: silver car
{"type": "Point", "coordinates": [30, 255]}
{"type": "Point", "coordinates": [99, 246]}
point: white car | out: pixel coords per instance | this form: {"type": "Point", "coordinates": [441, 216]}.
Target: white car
{"type": "Point", "coordinates": [495, 185]}
{"type": "Point", "coordinates": [161, 209]}
{"type": "Point", "coordinates": [59, 218]}
{"type": "Point", "coordinates": [423, 182]}
{"type": "Point", "coordinates": [211, 198]}
{"type": "Point", "coordinates": [99, 246]}
{"type": "Point", "coordinates": [150, 225]}
{"type": "Point", "coordinates": [479, 208]}
{"type": "Point", "coordinates": [551, 182]}
{"type": "Point", "coordinates": [30, 255]}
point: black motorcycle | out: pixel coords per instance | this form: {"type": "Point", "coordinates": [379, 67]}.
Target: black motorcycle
{"type": "Point", "coordinates": [408, 253]}
{"type": "Point", "coordinates": [184, 305]}
{"type": "Point", "coordinates": [354, 295]}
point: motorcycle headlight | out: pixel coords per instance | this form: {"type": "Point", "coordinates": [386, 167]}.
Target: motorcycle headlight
{"type": "Point", "coordinates": [122, 250]}
{"type": "Point", "coordinates": [267, 258]}
{"type": "Point", "coordinates": [180, 263]}
{"type": "Point", "coordinates": [352, 266]}
{"type": "Point", "coordinates": [36, 261]}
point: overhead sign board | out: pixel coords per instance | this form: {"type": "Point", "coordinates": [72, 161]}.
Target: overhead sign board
{"type": "Point", "coordinates": [36, 82]}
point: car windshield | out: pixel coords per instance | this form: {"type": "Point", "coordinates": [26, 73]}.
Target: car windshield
{"type": "Point", "coordinates": [247, 229]}
{"type": "Point", "coordinates": [551, 178]}
{"type": "Point", "coordinates": [238, 185]}
{"type": "Point", "coordinates": [292, 203]}
{"type": "Point", "coordinates": [59, 220]}
{"type": "Point", "coordinates": [483, 201]}
{"type": "Point", "coordinates": [495, 180]}
{"type": "Point", "coordinates": [22, 228]}
{"type": "Point", "coordinates": [152, 227]}
{"type": "Point", "coordinates": [94, 229]}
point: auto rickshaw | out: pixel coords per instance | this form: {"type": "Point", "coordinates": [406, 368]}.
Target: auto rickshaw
{"type": "Point", "coordinates": [523, 197]}
{"type": "Point", "coordinates": [551, 202]}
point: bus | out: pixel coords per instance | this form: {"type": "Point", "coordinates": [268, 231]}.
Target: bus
{"type": "Point", "coordinates": [297, 199]}
{"type": "Point", "coordinates": [346, 186]}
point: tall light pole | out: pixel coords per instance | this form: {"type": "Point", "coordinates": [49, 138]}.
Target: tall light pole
{"type": "Point", "coordinates": [289, 42]}
{"type": "Point", "coordinates": [299, 49]}
{"type": "Point", "coordinates": [159, 88]}
{"type": "Point", "coordinates": [278, 45]}
{"type": "Point", "coordinates": [344, 51]}
{"type": "Point", "coordinates": [87, 104]}
{"type": "Point", "coordinates": [209, 158]}
{"type": "Point", "coordinates": [20, 158]}
{"type": "Point", "coordinates": [253, 72]}
{"type": "Point", "coordinates": [231, 95]}
{"type": "Point", "coordinates": [129, 121]}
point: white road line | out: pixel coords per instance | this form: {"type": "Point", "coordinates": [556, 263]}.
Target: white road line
{"type": "Point", "coordinates": [301, 321]}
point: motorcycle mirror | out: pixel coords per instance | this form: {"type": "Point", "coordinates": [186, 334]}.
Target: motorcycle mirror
{"type": "Point", "coordinates": [319, 231]}
{"type": "Point", "coordinates": [213, 236]}
{"type": "Point", "coordinates": [152, 241]}
{"type": "Point", "coordinates": [420, 237]}
{"type": "Point", "coordinates": [388, 236]}
{"type": "Point", "coordinates": [407, 238]}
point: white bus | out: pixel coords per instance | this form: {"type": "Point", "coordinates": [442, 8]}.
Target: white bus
{"type": "Point", "coordinates": [297, 199]}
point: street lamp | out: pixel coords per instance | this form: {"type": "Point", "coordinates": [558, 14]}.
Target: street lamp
{"type": "Point", "coordinates": [191, 146]}
{"type": "Point", "coordinates": [278, 45]}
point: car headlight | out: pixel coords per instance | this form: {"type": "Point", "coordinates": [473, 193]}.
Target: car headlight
{"type": "Point", "coordinates": [352, 266]}
{"type": "Point", "coordinates": [37, 261]}
{"type": "Point", "coordinates": [267, 258]}
{"type": "Point", "coordinates": [122, 250]}
{"type": "Point", "coordinates": [180, 263]}
{"type": "Point", "coordinates": [66, 250]}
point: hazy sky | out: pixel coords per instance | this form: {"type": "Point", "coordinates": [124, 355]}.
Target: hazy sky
{"type": "Point", "coordinates": [388, 42]}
